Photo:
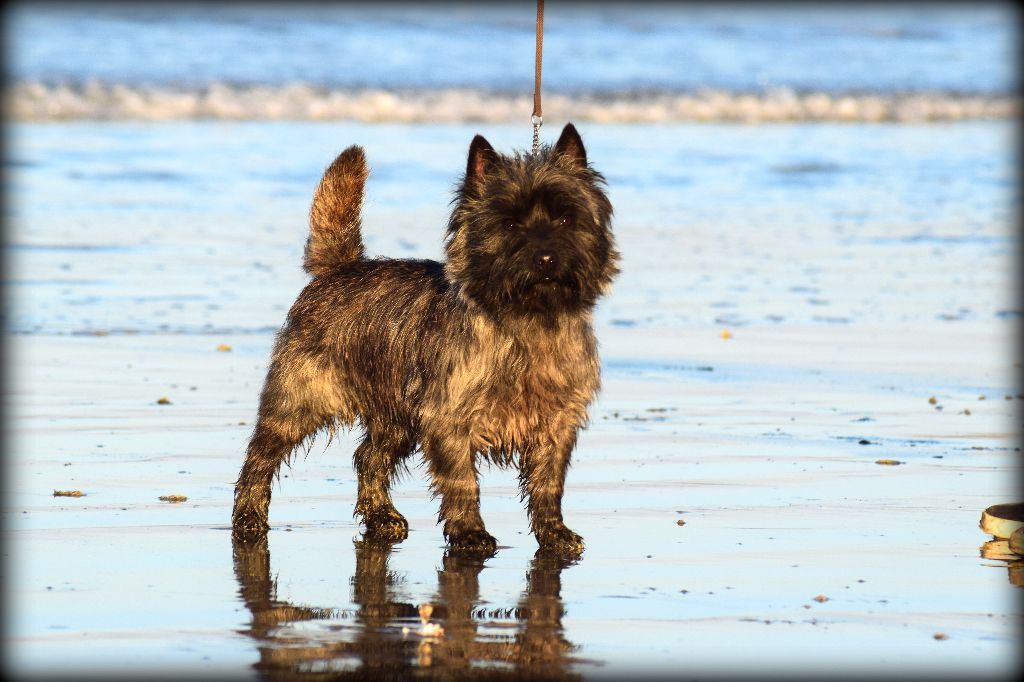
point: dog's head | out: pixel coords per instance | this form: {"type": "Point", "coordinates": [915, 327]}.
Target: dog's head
{"type": "Point", "coordinates": [531, 235]}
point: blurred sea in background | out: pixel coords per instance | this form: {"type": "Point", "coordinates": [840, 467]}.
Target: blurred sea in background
{"type": "Point", "coordinates": [607, 62]}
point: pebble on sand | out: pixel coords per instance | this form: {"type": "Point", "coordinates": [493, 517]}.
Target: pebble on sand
{"type": "Point", "coordinates": [68, 493]}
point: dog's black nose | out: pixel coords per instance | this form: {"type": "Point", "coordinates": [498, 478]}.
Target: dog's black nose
{"type": "Point", "coordinates": [545, 260]}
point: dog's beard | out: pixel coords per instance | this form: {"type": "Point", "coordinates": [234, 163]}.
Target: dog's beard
{"type": "Point", "coordinates": [546, 294]}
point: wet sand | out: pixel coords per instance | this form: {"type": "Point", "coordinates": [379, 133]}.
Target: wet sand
{"type": "Point", "coordinates": [764, 444]}
{"type": "Point", "coordinates": [754, 442]}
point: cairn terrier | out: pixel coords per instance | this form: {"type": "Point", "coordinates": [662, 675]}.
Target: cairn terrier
{"type": "Point", "coordinates": [490, 354]}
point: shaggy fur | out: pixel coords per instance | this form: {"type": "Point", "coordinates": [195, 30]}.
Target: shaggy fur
{"type": "Point", "coordinates": [490, 354]}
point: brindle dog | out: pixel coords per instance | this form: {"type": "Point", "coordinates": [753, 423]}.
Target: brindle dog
{"type": "Point", "coordinates": [489, 354]}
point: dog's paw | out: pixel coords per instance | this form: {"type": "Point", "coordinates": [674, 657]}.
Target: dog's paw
{"type": "Point", "coordinates": [385, 523]}
{"type": "Point", "coordinates": [477, 541]}
{"type": "Point", "coordinates": [559, 539]}
{"type": "Point", "coordinates": [249, 515]}
{"type": "Point", "coordinates": [248, 523]}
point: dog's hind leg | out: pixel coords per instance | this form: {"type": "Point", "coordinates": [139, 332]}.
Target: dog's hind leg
{"type": "Point", "coordinates": [297, 401]}
{"type": "Point", "coordinates": [376, 459]}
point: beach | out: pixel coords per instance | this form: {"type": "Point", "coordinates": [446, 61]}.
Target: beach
{"type": "Point", "coordinates": [810, 361]}
{"type": "Point", "coordinates": [757, 367]}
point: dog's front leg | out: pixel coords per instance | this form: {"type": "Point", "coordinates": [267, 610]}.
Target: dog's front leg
{"type": "Point", "coordinates": [453, 478]}
{"type": "Point", "coordinates": [542, 482]}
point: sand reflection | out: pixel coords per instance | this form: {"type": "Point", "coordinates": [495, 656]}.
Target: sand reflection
{"type": "Point", "coordinates": [384, 637]}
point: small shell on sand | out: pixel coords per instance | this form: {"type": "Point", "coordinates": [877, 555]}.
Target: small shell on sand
{"type": "Point", "coordinates": [431, 630]}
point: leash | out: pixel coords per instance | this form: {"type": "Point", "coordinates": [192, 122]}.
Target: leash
{"type": "Point", "coordinates": [538, 119]}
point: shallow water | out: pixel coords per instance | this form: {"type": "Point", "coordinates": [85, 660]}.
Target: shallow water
{"type": "Point", "coordinates": [861, 270]}
{"type": "Point", "coordinates": [197, 227]}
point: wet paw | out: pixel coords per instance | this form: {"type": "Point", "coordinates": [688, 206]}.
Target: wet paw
{"type": "Point", "coordinates": [248, 523]}
{"type": "Point", "coordinates": [385, 523]}
{"type": "Point", "coordinates": [250, 511]}
{"type": "Point", "coordinates": [557, 538]}
{"type": "Point", "coordinates": [473, 542]}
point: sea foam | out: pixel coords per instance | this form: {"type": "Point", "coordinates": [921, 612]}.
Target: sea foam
{"type": "Point", "coordinates": [35, 101]}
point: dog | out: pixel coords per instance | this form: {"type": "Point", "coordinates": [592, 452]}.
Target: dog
{"type": "Point", "coordinates": [488, 355]}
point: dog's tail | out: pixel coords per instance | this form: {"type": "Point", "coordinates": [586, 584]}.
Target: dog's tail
{"type": "Point", "coordinates": [335, 217]}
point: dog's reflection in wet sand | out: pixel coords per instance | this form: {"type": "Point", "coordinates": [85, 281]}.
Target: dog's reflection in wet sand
{"type": "Point", "coordinates": [384, 638]}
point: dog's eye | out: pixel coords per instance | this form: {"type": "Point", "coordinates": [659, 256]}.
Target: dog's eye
{"type": "Point", "coordinates": [511, 225]}
{"type": "Point", "coordinates": [565, 221]}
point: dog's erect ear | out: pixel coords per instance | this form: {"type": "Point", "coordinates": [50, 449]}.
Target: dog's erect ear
{"type": "Point", "coordinates": [482, 158]}
{"type": "Point", "coordinates": [570, 145]}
